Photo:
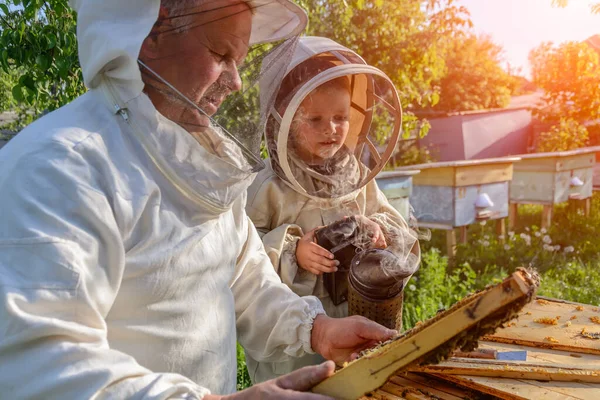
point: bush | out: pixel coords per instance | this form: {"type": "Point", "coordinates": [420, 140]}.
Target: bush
{"type": "Point", "coordinates": [568, 134]}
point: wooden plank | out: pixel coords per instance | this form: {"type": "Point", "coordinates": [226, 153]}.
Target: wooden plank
{"type": "Point", "coordinates": [576, 162]}
{"type": "Point", "coordinates": [532, 187]}
{"type": "Point", "coordinates": [463, 234]}
{"type": "Point", "coordinates": [547, 164]}
{"type": "Point", "coordinates": [501, 229]}
{"type": "Point", "coordinates": [513, 215]}
{"type": "Point", "coordinates": [437, 390]}
{"type": "Point", "coordinates": [405, 392]}
{"type": "Point", "coordinates": [506, 389]}
{"type": "Point", "coordinates": [547, 216]}
{"type": "Point", "coordinates": [435, 177]}
{"type": "Point", "coordinates": [573, 318]}
{"type": "Point", "coordinates": [433, 382]}
{"type": "Point", "coordinates": [538, 355]}
{"type": "Point", "coordinates": [513, 370]}
{"type": "Point", "coordinates": [433, 338]}
{"type": "Point", "coordinates": [451, 243]}
{"type": "Point", "coordinates": [482, 174]}
{"type": "Point", "coordinates": [433, 225]}
{"type": "Point", "coordinates": [515, 389]}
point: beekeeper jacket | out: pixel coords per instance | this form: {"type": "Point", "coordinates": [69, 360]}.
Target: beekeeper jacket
{"type": "Point", "coordinates": [282, 216]}
{"type": "Point", "coordinates": [127, 262]}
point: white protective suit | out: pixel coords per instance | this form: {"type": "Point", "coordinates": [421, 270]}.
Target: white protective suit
{"type": "Point", "coordinates": [127, 261]}
{"type": "Point", "coordinates": [283, 211]}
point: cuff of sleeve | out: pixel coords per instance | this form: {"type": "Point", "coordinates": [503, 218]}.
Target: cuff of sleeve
{"type": "Point", "coordinates": [289, 247]}
{"type": "Point", "coordinates": [313, 308]}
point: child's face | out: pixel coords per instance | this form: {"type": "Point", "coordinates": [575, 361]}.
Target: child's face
{"type": "Point", "coordinates": [321, 124]}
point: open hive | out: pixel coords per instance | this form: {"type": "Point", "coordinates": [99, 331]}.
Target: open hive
{"type": "Point", "coordinates": [433, 341]}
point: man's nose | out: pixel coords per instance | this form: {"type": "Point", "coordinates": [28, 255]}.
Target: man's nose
{"type": "Point", "coordinates": [234, 81]}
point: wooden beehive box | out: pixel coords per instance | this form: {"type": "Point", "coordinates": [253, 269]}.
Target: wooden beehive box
{"type": "Point", "coordinates": [596, 178]}
{"type": "Point", "coordinates": [444, 194]}
{"type": "Point", "coordinates": [397, 187]}
{"type": "Point", "coordinates": [553, 178]}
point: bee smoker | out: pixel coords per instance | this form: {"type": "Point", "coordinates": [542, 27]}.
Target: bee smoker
{"type": "Point", "coordinates": [338, 238]}
{"type": "Point", "coordinates": [375, 291]}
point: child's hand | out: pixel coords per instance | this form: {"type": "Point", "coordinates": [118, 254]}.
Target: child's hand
{"type": "Point", "coordinates": [373, 230]}
{"type": "Point", "coordinates": [314, 258]}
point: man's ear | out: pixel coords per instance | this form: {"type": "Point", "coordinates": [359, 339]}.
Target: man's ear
{"type": "Point", "coordinates": [149, 48]}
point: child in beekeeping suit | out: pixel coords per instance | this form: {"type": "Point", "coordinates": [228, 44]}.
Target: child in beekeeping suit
{"type": "Point", "coordinates": [334, 124]}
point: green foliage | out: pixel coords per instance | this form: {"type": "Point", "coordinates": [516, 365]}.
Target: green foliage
{"type": "Point", "coordinates": [569, 74]}
{"type": "Point", "coordinates": [7, 81]}
{"type": "Point", "coordinates": [243, 379]}
{"type": "Point", "coordinates": [567, 135]}
{"type": "Point", "coordinates": [474, 79]}
{"type": "Point", "coordinates": [399, 37]}
{"type": "Point", "coordinates": [573, 281]}
{"type": "Point", "coordinates": [410, 153]}
{"type": "Point", "coordinates": [38, 44]}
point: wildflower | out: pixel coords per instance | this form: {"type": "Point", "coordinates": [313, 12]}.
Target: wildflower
{"type": "Point", "coordinates": [538, 234]}
{"type": "Point", "coordinates": [485, 243]}
{"type": "Point", "coordinates": [548, 248]}
{"type": "Point", "coordinates": [557, 247]}
{"type": "Point", "coordinates": [506, 247]}
{"type": "Point", "coordinates": [511, 234]}
{"type": "Point", "coordinates": [523, 236]}
{"type": "Point", "coordinates": [546, 239]}
{"type": "Point", "coordinates": [412, 288]}
{"type": "Point", "coordinates": [482, 223]}
{"type": "Point", "coordinates": [569, 249]}
{"type": "Point", "coordinates": [527, 228]}
{"type": "Point", "coordinates": [543, 230]}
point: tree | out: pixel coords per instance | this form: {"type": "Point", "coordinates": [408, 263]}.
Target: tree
{"type": "Point", "coordinates": [568, 134]}
{"type": "Point", "coordinates": [569, 74]}
{"type": "Point", "coordinates": [399, 37]}
{"type": "Point", "coordinates": [474, 79]}
{"type": "Point", "coordinates": [38, 44]}
{"type": "Point", "coordinates": [595, 7]}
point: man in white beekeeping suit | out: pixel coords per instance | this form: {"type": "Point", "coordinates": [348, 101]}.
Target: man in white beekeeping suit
{"type": "Point", "coordinates": [128, 266]}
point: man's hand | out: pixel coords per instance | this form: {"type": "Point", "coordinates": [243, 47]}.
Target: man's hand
{"type": "Point", "coordinates": [373, 231]}
{"type": "Point", "coordinates": [342, 339]}
{"type": "Point", "coordinates": [314, 258]}
{"type": "Point", "coordinates": [289, 386]}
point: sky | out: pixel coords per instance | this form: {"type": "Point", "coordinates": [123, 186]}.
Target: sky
{"type": "Point", "coordinates": [521, 25]}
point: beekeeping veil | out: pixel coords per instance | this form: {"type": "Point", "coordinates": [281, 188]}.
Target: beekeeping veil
{"type": "Point", "coordinates": [234, 131]}
{"type": "Point", "coordinates": [374, 121]}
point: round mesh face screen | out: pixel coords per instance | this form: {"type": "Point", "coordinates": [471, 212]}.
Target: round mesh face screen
{"type": "Point", "coordinates": [336, 131]}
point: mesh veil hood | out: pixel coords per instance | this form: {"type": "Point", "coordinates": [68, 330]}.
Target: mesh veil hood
{"type": "Point", "coordinates": [110, 34]}
{"type": "Point", "coordinates": [316, 61]}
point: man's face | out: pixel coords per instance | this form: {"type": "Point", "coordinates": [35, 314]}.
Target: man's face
{"type": "Point", "coordinates": [198, 54]}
